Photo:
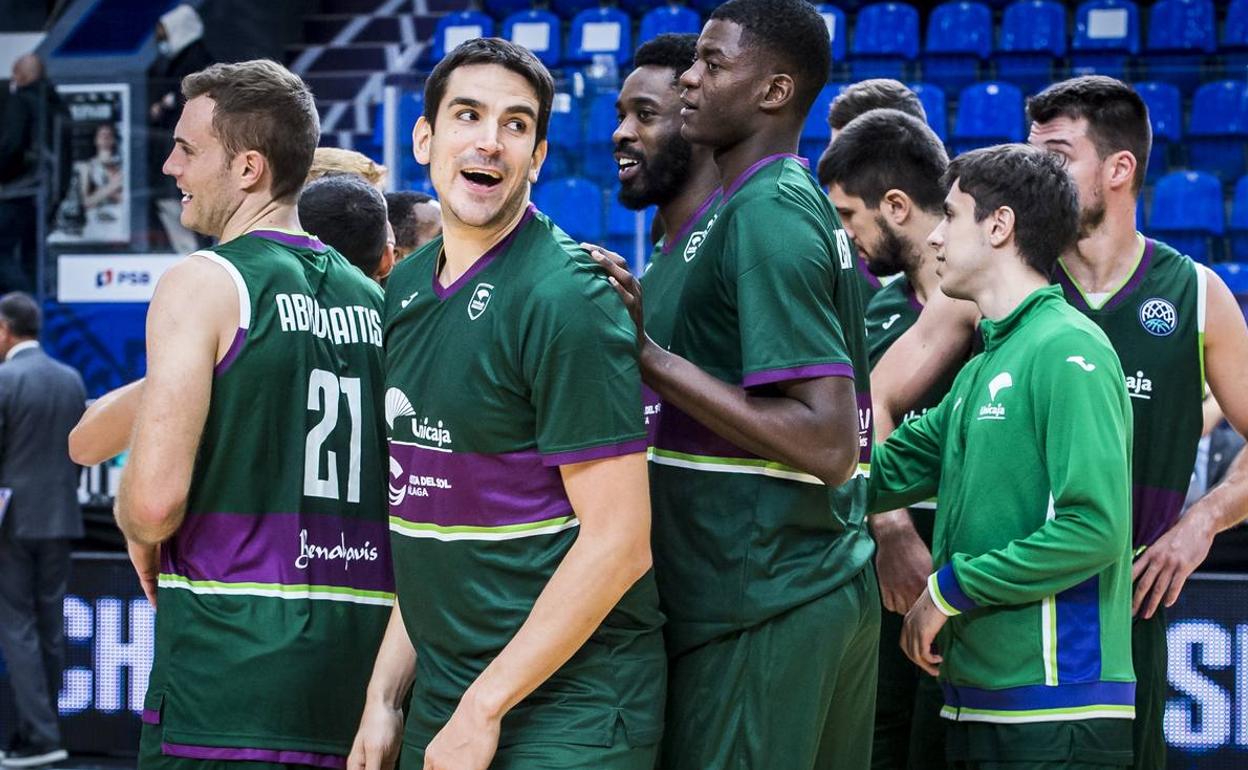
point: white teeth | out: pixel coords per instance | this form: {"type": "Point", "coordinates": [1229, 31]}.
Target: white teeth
{"type": "Point", "coordinates": [627, 163]}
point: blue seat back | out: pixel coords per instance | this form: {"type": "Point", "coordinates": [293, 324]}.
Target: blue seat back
{"type": "Point", "coordinates": [1235, 33]}
{"type": "Point", "coordinates": [1220, 109]}
{"type": "Point", "coordinates": [455, 28]}
{"type": "Point", "coordinates": [574, 204]}
{"type": "Point", "coordinates": [1165, 109]}
{"type": "Point", "coordinates": [960, 27]}
{"type": "Point", "coordinates": [1034, 26]}
{"type": "Point", "coordinates": [536, 30]}
{"type": "Point", "coordinates": [599, 31]}
{"type": "Point", "coordinates": [991, 111]}
{"type": "Point", "coordinates": [1107, 26]}
{"type": "Point", "coordinates": [1182, 25]}
{"type": "Point", "coordinates": [933, 100]}
{"type": "Point", "coordinates": [887, 29]}
{"type": "Point", "coordinates": [1188, 201]}
{"type": "Point", "coordinates": [838, 29]}
{"type": "Point", "coordinates": [669, 18]}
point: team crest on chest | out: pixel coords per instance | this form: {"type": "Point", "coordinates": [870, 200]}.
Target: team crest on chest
{"type": "Point", "coordinates": [480, 300]}
{"type": "Point", "coordinates": [1159, 317]}
{"type": "Point", "coordinates": [695, 240]}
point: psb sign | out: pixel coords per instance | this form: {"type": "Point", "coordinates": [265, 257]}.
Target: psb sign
{"type": "Point", "coordinates": [109, 278]}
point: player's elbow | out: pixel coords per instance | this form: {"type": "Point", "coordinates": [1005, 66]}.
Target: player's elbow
{"type": "Point", "coordinates": [84, 451]}
{"type": "Point", "coordinates": [153, 520]}
{"type": "Point", "coordinates": [838, 462]}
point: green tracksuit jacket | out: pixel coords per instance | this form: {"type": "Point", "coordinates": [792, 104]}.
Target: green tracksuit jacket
{"type": "Point", "coordinates": [1030, 456]}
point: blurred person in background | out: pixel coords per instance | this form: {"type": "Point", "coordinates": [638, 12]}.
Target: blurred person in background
{"type": "Point", "coordinates": [347, 213]}
{"type": "Point", "coordinates": [328, 161]}
{"type": "Point", "coordinates": [40, 400]}
{"type": "Point", "coordinates": [416, 219]}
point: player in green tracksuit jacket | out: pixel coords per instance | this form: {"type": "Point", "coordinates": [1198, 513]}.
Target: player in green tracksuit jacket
{"type": "Point", "coordinates": [1029, 454]}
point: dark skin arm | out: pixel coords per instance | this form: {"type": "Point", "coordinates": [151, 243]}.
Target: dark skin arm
{"type": "Point", "coordinates": [812, 425]}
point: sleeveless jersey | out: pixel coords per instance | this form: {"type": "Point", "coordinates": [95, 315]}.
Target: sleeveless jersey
{"type": "Point", "coordinates": [1156, 322]}
{"type": "Point", "coordinates": [525, 363]}
{"type": "Point", "coordinates": [661, 285]}
{"type": "Point", "coordinates": [275, 591]}
{"type": "Point", "coordinates": [768, 296]}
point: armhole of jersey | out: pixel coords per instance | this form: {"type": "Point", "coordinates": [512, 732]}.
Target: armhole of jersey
{"type": "Point", "coordinates": [244, 310]}
{"type": "Point", "coordinates": [1202, 289]}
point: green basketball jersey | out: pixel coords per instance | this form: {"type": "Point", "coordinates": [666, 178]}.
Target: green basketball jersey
{"type": "Point", "coordinates": [768, 296]}
{"type": "Point", "coordinates": [662, 283]}
{"type": "Point", "coordinates": [869, 284]}
{"type": "Point", "coordinates": [525, 363]}
{"type": "Point", "coordinates": [1156, 322]}
{"type": "Point", "coordinates": [276, 589]}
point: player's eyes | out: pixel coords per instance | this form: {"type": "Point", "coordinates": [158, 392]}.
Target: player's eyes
{"type": "Point", "coordinates": [466, 115]}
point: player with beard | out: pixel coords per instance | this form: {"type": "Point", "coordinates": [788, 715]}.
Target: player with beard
{"type": "Point", "coordinates": [659, 167]}
{"type": "Point", "coordinates": [528, 616]}
{"type": "Point", "coordinates": [883, 175]}
{"type": "Point", "coordinates": [758, 469]}
{"type": "Point", "coordinates": [857, 99]}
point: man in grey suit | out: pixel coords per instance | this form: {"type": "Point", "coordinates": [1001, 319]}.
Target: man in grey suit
{"type": "Point", "coordinates": [40, 401]}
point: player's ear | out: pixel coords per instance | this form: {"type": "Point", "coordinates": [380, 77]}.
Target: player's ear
{"type": "Point", "coordinates": [896, 206]}
{"type": "Point", "coordinates": [779, 92]}
{"type": "Point", "coordinates": [250, 167]}
{"type": "Point", "coordinates": [539, 157]}
{"type": "Point", "coordinates": [422, 136]}
{"type": "Point", "coordinates": [1119, 170]}
{"type": "Point", "coordinates": [1000, 226]}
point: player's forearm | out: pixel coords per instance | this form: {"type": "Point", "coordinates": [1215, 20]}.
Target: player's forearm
{"type": "Point", "coordinates": [779, 428]}
{"type": "Point", "coordinates": [592, 578]}
{"type": "Point", "coordinates": [105, 428]}
{"type": "Point", "coordinates": [1226, 504]}
{"type": "Point", "coordinates": [395, 667]}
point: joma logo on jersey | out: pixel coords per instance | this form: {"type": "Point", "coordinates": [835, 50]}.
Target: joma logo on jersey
{"type": "Point", "coordinates": [1139, 386]}
{"type": "Point", "coordinates": [993, 410]}
{"type": "Point", "coordinates": [480, 300]}
{"type": "Point", "coordinates": [1158, 317]}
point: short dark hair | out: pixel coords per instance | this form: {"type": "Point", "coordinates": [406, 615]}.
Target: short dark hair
{"type": "Point", "coordinates": [348, 214]}
{"type": "Point", "coordinates": [1117, 116]}
{"type": "Point", "coordinates": [793, 32]}
{"type": "Point", "coordinates": [262, 106]}
{"type": "Point", "coordinates": [1033, 183]}
{"type": "Point", "coordinates": [20, 312]}
{"type": "Point", "coordinates": [886, 149]}
{"type": "Point", "coordinates": [874, 94]}
{"type": "Point", "coordinates": [671, 50]}
{"type": "Point", "coordinates": [400, 206]}
{"type": "Point", "coordinates": [493, 50]}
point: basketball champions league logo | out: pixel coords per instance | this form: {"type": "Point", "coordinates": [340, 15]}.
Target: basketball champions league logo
{"type": "Point", "coordinates": [1159, 317]}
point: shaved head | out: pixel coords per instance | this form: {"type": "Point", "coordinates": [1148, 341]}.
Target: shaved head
{"type": "Point", "coordinates": [27, 69]}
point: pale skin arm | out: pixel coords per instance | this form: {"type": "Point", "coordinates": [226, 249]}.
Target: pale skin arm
{"type": "Point", "coordinates": [1162, 570]}
{"type": "Point", "coordinates": [611, 498]}
{"type": "Point", "coordinates": [105, 428]}
{"type": "Point", "coordinates": [380, 734]}
{"type": "Point", "coordinates": [912, 365]}
{"type": "Point", "coordinates": [189, 325]}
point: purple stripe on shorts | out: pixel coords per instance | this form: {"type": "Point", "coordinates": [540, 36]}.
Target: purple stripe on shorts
{"type": "Point", "coordinates": [151, 716]}
{"type": "Point", "coordinates": [484, 260]}
{"type": "Point", "coordinates": [236, 347]}
{"type": "Point", "coordinates": [282, 548]}
{"type": "Point", "coordinates": [451, 489]}
{"type": "Point", "coordinates": [297, 240]}
{"type": "Point", "coordinates": [1156, 510]}
{"type": "Point", "coordinates": [758, 166]}
{"type": "Point", "coordinates": [281, 756]}
{"type": "Point", "coordinates": [595, 453]}
{"type": "Point", "coordinates": [768, 376]}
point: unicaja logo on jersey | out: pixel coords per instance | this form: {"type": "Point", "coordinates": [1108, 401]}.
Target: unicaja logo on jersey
{"type": "Point", "coordinates": [480, 300]}
{"type": "Point", "coordinates": [993, 410]}
{"type": "Point", "coordinates": [397, 494]}
{"type": "Point", "coordinates": [1158, 317]}
{"type": "Point", "coordinates": [1139, 386]}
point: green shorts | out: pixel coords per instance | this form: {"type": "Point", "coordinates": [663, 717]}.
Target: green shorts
{"type": "Point", "coordinates": [796, 692]}
{"type": "Point", "coordinates": [558, 756]}
{"type": "Point", "coordinates": [1148, 656]}
{"type": "Point", "coordinates": [152, 758]}
{"type": "Point", "coordinates": [1084, 744]}
{"type": "Point", "coordinates": [909, 733]}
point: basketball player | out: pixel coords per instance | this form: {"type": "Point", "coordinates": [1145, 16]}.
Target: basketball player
{"type": "Point", "coordinates": [528, 615]}
{"type": "Point", "coordinates": [253, 499]}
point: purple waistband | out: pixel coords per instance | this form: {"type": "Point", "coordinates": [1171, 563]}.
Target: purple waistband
{"type": "Point", "coordinates": [280, 756]}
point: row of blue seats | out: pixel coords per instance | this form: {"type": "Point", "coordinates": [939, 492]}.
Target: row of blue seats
{"type": "Point", "coordinates": [960, 37]}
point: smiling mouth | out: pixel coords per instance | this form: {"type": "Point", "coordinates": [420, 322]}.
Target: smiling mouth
{"type": "Point", "coordinates": [186, 196]}
{"type": "Point", "coordinates": [482, 177]}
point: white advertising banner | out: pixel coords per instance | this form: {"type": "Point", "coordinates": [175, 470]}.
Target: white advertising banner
{"type": "Point", "coordinates": [110, 277]}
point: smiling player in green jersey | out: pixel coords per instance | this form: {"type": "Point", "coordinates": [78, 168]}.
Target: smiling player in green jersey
{"type": "Point", "coordinates": [528, 615]}
{"type": "Point", "coordinates": [658, 167]}
{"type": "Point", "coordinates": [253, 499]}
{"type": "Point", "coordinates": [883, 175]}
{"type": "Point", "coordinates": [1029, 455]}
{"type": "Point", "coordinates": [758, 467]}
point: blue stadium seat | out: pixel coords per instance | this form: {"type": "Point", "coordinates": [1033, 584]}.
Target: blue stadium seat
{"type": "Point", "coordinates": [602, 120]}
{"type": "Point", "coordinates": [1033, 34]}
{"type": "Point", "coordinates": [565, 136]}
{"type": "Point", "coordinates": [817, 133]}
{"type": "Point", "coordinates": [639, 8]}
{"type": "Point", "coordinates": [601, 31]}
{"type": "Point", "coordinates": [838, 29]}
{"type": "Point", "coordinates": [455, 28]}
{"type": "Point", "coordinates": [669, 18]}
{"type": "Point", "coordinates": [988, 113]}
{"type": "Point", "coordinates": [622, 230]}
{"type": "Point", "coordinates": [886, 39]}
{"type": "Point", "coordinates": [1188, 212]}
{"type": "Point", "coordinates": [537, 31]}
{"type": "Point", "coordinates": [1107, 35]}
{"type": "Point", "coordinates": [1165, 113]}
{"type": "Point", "coordinates": [1180, 36]}
{"type": "Point", "coordinates": [501, 9]}
{"type": "Point", "coordinates": [933, 99]}
{"type": "Point", "coordinates": [1219, 129]}
{"type": "Point", "coordinates": [959, 37]}
{"type": "Point", "coordinates": [1234, 45]}
{"type": "Point", "coordinates": [568, 9]}
{"type": "Point", "coordinates": [573, 203]}
{"type": "Point", "coordinates": [1235, 275]}
{"type": "Point", "coordinates": [1239, 221]}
